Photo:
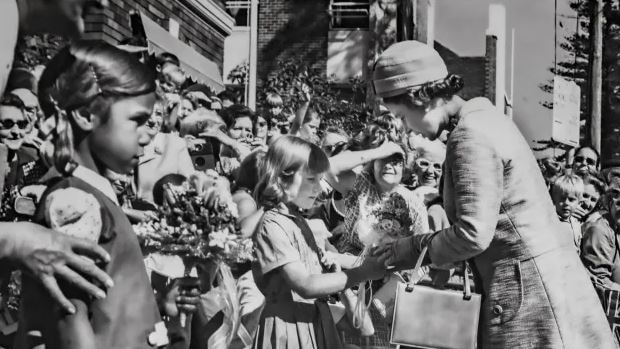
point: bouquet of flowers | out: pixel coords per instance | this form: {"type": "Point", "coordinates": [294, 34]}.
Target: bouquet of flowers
{"type": "Point", "coordinates": [387, 220]}
{"type": "Point", "coordinates": [191, 226]}
{"type": "Point", "coordinates": [187, 228]}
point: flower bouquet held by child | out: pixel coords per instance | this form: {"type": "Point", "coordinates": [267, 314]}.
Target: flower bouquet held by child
{"type": "Point", "coordinates": [198, 227]}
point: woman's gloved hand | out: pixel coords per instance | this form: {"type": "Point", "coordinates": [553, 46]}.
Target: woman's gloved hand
{"type": "Point", "coordinates": [402, 253]}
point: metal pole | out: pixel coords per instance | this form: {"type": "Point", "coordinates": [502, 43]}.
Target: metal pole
{"type": "Point", "coordinates": [251, 102]}
{"type": "Point", "coordinates": [512, 75]}
{"type": "Point", "coordinates": [596, 74]}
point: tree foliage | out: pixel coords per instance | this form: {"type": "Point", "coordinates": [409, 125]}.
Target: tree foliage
{"type": "Point", "coordinates": [34, 50]}
{"type": "Point", "coordinates": [340, 106]}
{"type": "Point", "coordinates": [576, 67]}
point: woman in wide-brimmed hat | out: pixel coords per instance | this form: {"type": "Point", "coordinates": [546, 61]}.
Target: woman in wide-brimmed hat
{"type": "Point", "coordinates": [536, 292]}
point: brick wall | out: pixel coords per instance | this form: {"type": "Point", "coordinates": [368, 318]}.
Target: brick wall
{"type": "Point", "coordinates": [113, 24]}
{"type": "Point", "coordinates": [472, 69]}
{"type": "Point", "coordinates": [292, 29]}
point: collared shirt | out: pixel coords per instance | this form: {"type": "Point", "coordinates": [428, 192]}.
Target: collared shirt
{"type": "Point", "coordinates": [96, 180]}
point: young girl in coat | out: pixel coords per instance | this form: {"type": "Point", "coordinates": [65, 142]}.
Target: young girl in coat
{"type": "Point", "coordinates": [101, 98]}
{"type": "Point", "coordinates": [290, 268]}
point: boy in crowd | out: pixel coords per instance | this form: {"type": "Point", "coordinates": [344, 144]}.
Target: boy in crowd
{"type": "Point", "coordinates": [566, 192]}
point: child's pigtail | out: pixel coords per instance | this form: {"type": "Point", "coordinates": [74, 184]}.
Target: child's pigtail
{"type": "Point", "coordinates": [63, 144]}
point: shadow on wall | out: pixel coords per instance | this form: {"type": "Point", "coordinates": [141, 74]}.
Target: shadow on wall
{"type": "Point", "coordinates": [293, 29]}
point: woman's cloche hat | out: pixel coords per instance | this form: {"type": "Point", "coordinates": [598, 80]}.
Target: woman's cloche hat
{"type": "Point", "coordinates": [404, 65]}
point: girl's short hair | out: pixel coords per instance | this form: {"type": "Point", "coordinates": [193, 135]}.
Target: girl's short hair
{"type": "Point", "coordinates": [247, 176]}
{"type": "Point", "coordinates": [444, 88]}
{"type": "Point", "coordinates": [273, 100]}
{"type": "Point", "coordinates": [235, 112]}
{"type": "Point", "coordinates": [286, 156]}
{"type": "Point", "coordinates": [567, 184]}
{"type": "Point", "coordinates": [88, 77]}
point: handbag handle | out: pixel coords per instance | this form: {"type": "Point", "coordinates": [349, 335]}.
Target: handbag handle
{"type": "Point", "coordinates": [418, 265]}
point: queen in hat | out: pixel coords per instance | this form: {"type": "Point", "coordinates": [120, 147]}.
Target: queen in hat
{"type": "Point", "coordinates": [536, 293]}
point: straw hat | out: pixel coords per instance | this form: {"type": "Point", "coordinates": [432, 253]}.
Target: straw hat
{"type": "Point", "coordinates": [404, 65]}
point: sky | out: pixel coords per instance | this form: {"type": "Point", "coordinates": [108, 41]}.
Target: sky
{"type": "Point", "coordinates": [461, 25]}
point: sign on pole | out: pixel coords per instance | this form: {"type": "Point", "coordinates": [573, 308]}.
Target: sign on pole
{"type": "Point", "coordinates": [566, 111]}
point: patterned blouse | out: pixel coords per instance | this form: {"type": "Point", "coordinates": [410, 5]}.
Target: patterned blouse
{"type": "Point", "coordinates": [396, 214]}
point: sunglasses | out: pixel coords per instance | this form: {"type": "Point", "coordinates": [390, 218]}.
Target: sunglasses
{"type": "Point", "coordinates": [587, 161]}
{"type": "Point", "coordinates": [8, 124]}
{"type": "Point", "coordinates": [332, 147]}
{"type": "Point", "coordinates": [425, 164]}
{"type": "Point", "coordinates": [153, 124]}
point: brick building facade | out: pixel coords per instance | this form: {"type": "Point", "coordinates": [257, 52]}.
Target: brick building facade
{"type": "Point", "coordinates": [292, 29]}
{"type": "Point", "coordinates": [202, 24]}
{"type": "Point", "coordinates": [303, 29]}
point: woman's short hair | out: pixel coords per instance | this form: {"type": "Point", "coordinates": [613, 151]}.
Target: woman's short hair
{"type": "Point", "coordinates": [286, 156]}
{"type": "Point", "coordinates": [11, 100]}
{"type": "Point", "coordinates": [375, 134]}
{"type": "Point", "coordinates": [389, 121]}
{"type": "Point", "coordinates": [596, 181]}
{"type": "Point", "coordinates": [235, 112]}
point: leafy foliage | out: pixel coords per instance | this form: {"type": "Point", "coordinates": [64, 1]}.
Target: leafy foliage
{"type": "Point", "coordinates": [34, 50]}
{"type": "Point", "coordinates": [239, 74]}
{"type": "Point", "coordinates": [575, 67]}
{"type": "Point", "coordinates": [343, 107]}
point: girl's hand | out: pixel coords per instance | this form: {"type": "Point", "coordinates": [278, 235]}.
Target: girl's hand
{"type": "Point", "coordinates": [149, 216]}
{"type": "Point", "coordinates": [330, 262]}
{"type": "Point", "coordinates": [189, 295]}
{"type": "Point", "coordinates": [182, 295]}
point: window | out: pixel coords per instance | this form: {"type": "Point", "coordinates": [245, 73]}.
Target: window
{"type": "Point", "coordinates": [349, 14]}
{"type": "Point", "coordinates": [240, 11]}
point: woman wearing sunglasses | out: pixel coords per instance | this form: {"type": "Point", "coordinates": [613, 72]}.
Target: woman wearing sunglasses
{"type": "Point", "coordinates": [14, 125]}
{"type": "Point", "coordinates": [536, 293]}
